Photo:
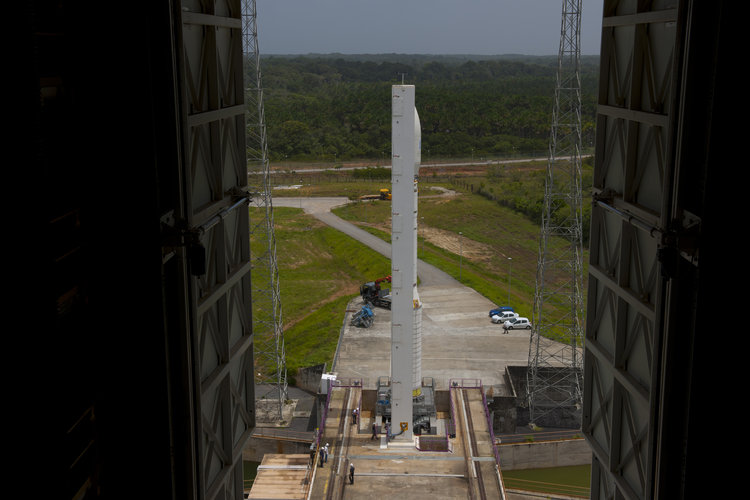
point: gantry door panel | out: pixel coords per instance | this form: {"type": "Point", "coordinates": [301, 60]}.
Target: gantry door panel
{"type": "Point", "coordinates": [216, 214]}
{"type": "Point", "coordinates": [631, 216]}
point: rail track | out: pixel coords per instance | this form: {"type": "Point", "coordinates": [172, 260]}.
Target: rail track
{"type": "Point", "coordinates": [336, 475]}
{"type": "Point", "coordinates": [473, 437]}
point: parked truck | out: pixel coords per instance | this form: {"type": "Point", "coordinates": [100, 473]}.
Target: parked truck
{"type": "Point", "coordinates": [371, 292]}
{"type": "Point", "coordinates": [384, 194]}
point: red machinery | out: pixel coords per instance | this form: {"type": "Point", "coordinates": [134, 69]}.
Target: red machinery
{"type": "Point", "coordinates": [372, 292]}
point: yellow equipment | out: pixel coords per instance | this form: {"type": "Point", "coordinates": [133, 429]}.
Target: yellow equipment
{"type": "Point", "coordinates": [385, 194]}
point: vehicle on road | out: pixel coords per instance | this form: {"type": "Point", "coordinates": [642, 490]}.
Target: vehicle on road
{"type": "Point", "coordinates": [500, 309]}
{"type": "Point", "coordinates": [515, 323]}
{"type": "Point", "coordinates": [384, 194]}
{"type": "Point", "coordinates": [503, 316]}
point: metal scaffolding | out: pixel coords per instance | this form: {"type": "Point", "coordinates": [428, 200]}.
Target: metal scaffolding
{"type": "Point", "coordinates": [270, 357]}
{"type": "Point", "coordinates": [555, 369]}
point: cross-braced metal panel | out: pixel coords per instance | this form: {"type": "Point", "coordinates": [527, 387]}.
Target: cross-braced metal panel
{"type": "Point", "coordinates": [218, 223]}
{"type": "Point", "coordinates": [270, 354]}
{"type": "Point", "coordinates": [554, 379]}
{"type": "Point", "coordinates": [630, 221]}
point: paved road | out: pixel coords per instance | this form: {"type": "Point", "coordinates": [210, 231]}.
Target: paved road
{"type": "Point", "coordinates": [320, 208]}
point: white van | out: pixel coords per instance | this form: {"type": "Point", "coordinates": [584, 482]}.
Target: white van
{"type": "Point", "coordinates": [504, 316]}
{"type": "Point", "coordinates": [517, 323]}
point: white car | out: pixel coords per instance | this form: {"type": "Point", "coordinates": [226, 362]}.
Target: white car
{"type": "Point", "coordinates": [504, 316]}
{"type": "Point", "coordinates": [517, 323]}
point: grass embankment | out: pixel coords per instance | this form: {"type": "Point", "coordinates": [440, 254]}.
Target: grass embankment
{"type": "Point", "coordinates": [320, 270]}
{"type": "Point", "coordinates": [479, 256]}
{"type": "Point", "coordinates": [573, 480]}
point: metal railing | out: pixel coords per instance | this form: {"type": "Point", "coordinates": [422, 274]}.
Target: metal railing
{"type": "Point", "coordinates": [347, 382]}
{"type": "Point", "coordinates": [475, 383]}
{"type": "Point", "coordinates": [350, 382]}
{"type": "Point", "coordinates": [281, 433]}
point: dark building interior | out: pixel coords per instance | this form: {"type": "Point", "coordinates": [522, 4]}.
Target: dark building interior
{"type": "Point", "coordinates": [104, 150]}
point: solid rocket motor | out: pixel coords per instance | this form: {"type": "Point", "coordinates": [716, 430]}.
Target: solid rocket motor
{"type": "Point", "coordinates": [406, 307]}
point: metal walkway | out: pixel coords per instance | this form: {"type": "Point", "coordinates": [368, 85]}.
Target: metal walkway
{"type": "Point", "coordinates": [467, 470]}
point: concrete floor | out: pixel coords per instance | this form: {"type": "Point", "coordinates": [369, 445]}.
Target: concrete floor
{"type": "Point", "coordinates": [459, 341]}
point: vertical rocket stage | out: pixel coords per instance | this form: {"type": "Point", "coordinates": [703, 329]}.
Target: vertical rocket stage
{"type": "Point", "coordinates": [406, 307]}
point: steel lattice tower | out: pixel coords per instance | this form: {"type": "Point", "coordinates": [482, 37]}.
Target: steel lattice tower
{"type": "Point", "coordinates": [270, 357]}
{"type": "Point", "coordinates": [555, 371]}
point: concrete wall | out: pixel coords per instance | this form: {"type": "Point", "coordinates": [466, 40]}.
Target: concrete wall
{"type": "Point", "coordinates": [309, 378]}
{"type": "Point", "coordinates": [545, 454]}
{"type": "Point", "coordinates": [504, 414]}
{"type": "Point", "coordinates": [369, 399]}
{"type": "Point", "coordinates": [442, 401]}
{"type": "Point", "coordinates": [562, 417]}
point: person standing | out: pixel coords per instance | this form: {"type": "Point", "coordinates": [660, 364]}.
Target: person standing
{"type": "Point", "coordinates": [325, 449]}
{"type": "Point", "coordinates": [351, 473]}
{"type": "Point", "coordinates": [322, 456]}
{"type": "Point", "coordinates": [374, 431]}
{"type": "Point", "coordinates": [387, 433]}
{"type": "Point", "coordinates": [355, 412]}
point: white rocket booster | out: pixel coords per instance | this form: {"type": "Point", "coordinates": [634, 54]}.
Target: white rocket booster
{"type": "Point", "coordinates": [406, 308]}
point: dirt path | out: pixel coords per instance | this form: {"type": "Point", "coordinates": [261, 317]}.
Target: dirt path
{"type": "Point", "coordinates": [447, 240]}
{"type": "Point", "coordinates": [474, 251]}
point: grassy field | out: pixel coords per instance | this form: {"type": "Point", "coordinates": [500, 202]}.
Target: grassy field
{"type": "Point", "coordinates": [479, 255]}
{"type": "Point", "coordinates": [320, 270]}
{"type": "Point", "coordinates": [477, 238]}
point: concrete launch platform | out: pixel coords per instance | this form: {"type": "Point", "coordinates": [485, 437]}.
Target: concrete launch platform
{"type": "Point", "coordinates": [459, 341]}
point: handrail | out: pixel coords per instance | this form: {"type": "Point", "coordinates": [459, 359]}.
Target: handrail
{"type": "Point", "coordinates": [466, 383]}
{"type": "Point", "coordinates": [336, 383]}
{"type": "Point", "coordinates": [347, 382]}
{"type": "Point", "coordinates": [490, 427]}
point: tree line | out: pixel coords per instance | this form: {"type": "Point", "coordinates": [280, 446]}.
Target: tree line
{"type": "Point", "coordinates": [334, 108]}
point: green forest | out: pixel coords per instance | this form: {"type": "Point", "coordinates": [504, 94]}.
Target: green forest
{"type": "Point", "coordinates": [332, 108]}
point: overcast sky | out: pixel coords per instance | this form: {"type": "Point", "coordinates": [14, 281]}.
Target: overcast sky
{"type": "Point", "coordinates": [487, 27]}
